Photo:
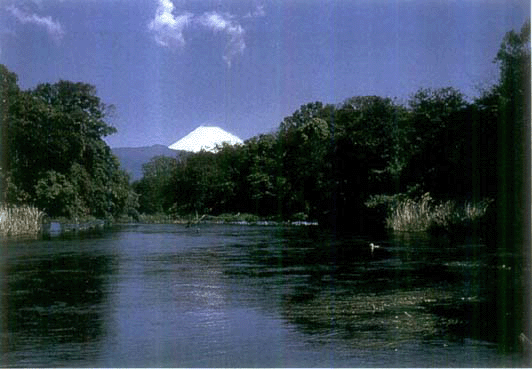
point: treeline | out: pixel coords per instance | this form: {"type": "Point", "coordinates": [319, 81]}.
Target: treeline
{"type": "Point", "coordinates": [347, 163]}
{"type": "Point", "coordinates": [328, 162]}
{"type": "Point", "coordinates": [52, 152]}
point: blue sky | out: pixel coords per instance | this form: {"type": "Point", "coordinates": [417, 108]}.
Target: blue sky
{"type": "Point", "coordinates": [169, 66]}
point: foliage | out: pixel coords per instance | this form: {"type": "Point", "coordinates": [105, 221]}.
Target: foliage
{"type": "Point", "coordinates": [155, 185]}
{"type": "Point", "coordinates": [202, 184]}
{"type": "Point", "coordinates": [439, 133]}
{"type": "Point", "coordinates": [56, 193]}
{"type": "Point", "coordinates": [354, 163]}
{"type": "Point", "coordinates": [370, 159]}
{"type": "Point", "coordinates": [303, 165]}
{"type": "Point", "coordinates": [53, 154]}
{"type": "Point", "coordinates": [511, 98]}
{"type": "Point", "coordinates": [262, 181]}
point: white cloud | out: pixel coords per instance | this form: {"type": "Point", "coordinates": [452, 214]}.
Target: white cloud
{"type": "Point", "coordinates": [168, 28]}
{"type": "Point", "coordinates": [258, 12]}
{"type": "Point", "coordinates": [54, 29]}
{"type": "Point", "coordinates": [224, 23]}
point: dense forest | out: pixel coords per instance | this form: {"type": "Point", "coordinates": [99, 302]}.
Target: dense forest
{"type": "Point", "coordinates": [350, 163]}
{"type": "Point", "coordinates": [53, 155]}
{"type": "Point", "coordinates": [343, 164]}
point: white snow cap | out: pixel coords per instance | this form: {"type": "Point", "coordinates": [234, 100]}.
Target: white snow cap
{"type": "Point", "coordinates": [205, 138]}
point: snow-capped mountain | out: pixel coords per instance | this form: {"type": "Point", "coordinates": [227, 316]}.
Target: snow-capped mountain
{"type": "Point", "coordinates": [205, 138]}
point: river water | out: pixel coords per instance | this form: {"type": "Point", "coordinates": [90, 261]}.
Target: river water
{"type": "Point", "coordinates": [248, 296]}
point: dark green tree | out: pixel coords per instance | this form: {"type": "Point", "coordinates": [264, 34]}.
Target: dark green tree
{"type": "Point", "coordinates": [305, 146]}
{"type": "Point", "coordinates": [201, 185]}
{"type": "Point", "coordinates": [513, 133]}
{"type": "Point", "coordinates": [10, 95]}
{"type": "Point", "coordinates": [510, 100]}
{"type": "Point", "coordinates": [264, 181]}
{"type": "Point", "coordinates": [156, 186]}
{"type": "Point", "coordinates": [439, 138]}
{"type": "Point", "coordinates": [366, 155]}
{"type": "Point", "coordinates": [53, 153]}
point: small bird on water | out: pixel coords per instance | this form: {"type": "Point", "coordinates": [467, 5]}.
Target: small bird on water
{"type": "Point", "coordinates": [372, 246]}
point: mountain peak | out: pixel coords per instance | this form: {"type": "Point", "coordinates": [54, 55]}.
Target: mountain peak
{"type": "Point", "coordinates": [205, 138]}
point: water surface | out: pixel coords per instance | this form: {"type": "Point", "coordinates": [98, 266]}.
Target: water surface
{"type": "Point", "coordinates": [219, 295]}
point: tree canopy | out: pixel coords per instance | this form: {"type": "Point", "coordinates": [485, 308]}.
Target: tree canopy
{"type": "Point", "coordinates": [53, 153]}
{"type": "Point", "coordinates": [323, 162]}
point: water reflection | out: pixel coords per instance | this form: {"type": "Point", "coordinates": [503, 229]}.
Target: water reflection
{"type": "Point", "coordinates": [414, 289]}
{"type": "Point", "coordinates": [164, 295]}
{"type": "Point", "coordinates": [50, 300]}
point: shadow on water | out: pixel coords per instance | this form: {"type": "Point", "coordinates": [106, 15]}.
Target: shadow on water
{"type": "Point", "coordinates": [489, 301]}
{"type": "Point", "coordinates": [51, 299]}
{"type": "Point", "coordinates": [165, 295]}
{"type": "Point", "coordinates": [415, 287]}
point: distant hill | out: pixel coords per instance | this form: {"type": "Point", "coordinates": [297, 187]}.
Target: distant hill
{"type": "Point", "coordinates": [132, 158]}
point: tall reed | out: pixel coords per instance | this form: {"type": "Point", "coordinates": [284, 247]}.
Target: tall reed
{"type": "Point", "coordinates": [420, 215]}
{"type": "Point", "coordinates": [20, 220]}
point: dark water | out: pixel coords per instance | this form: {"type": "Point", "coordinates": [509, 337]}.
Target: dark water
{"type": "Point", "coordinates": [166, 295]}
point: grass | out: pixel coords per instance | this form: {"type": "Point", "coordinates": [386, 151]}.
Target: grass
{"type": "Point", "coordinates": [426, 214]}
{"type": "Point", "coordinates": [20, 220]}
{"type": "Point", "coordinates": [158, 218]}
{"type": "Point", "coordinates": [225, 218]}
{"type": "Point", "coordinates": [232, 218]}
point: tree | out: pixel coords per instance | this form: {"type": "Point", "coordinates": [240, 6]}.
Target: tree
{"type": "Point", "coordinates": [260, 168]}
{"type": "Point", "coordinates": [9, 97]}
{"type": "Point", "coordinates": [438, 135]}
{"type": "Point", "coordinates": [53, 153]}
{"type": "Point", "coordinates": [57, 195]}
{"type": "Point", "coordinates": [305, 146]}
{"type": "Point", "coordinates": [513, 160]}
{"type": "Point", "coordinates": [502, 139]}
{"type": "Point", "coordinates": [9, 94]}
{"type": "Point", "coordinates": [156, 186]}
{"type": "Point", "coordinates": [201, 186]}
{"type": "Point", "coordinates": [366, 155]}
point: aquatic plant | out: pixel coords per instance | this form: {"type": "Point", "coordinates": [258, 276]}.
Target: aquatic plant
{"type": "Point", "coordinates": [411, 215]}
{"type": "Point", "coordinates": [20, 220]}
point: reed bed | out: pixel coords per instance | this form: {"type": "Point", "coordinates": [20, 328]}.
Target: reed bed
{"type": "Point", "coordinates": [425, 213]}
{"type": "Point", "coordinates": [20, 220]}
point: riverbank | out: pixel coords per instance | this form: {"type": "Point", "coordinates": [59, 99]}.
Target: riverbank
{"type": "Point", "coordinates": [193, 219]}
{"type": "Point", "coordinates": [62, 226]}
{"type": "Point", "coordinates": [29, 221]}
{"type": "Point", "coordinates": [404, 215]}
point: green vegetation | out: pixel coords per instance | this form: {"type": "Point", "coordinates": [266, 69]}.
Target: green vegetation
{"type": "Point", "coordinates": [159, 218]}
{"type": "Point", "coordinates": [425, 214]}
{"type": "Point", "coordinates": [327, 162]}
{"type": "Point", "coordinates": [234, 218]}
{"type": "Point", "coordinates": [367, 160]}
{"type": "Point", "coordinates": [52, 151]}
{"type": "Point", "coordinates": [20, 220]}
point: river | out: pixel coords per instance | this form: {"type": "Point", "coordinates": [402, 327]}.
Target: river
{"type": "Point", "coordinates": [248, 296]}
